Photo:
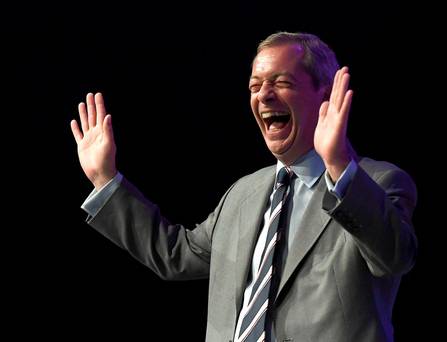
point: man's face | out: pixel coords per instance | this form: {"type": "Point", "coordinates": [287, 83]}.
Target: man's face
{"type": "Point", "coordinates": [284, 101]}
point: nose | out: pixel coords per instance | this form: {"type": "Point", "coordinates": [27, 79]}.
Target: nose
{"type": "Point", "coordinates": [266, 94]}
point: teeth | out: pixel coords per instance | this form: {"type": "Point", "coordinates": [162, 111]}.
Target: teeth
{"type": "Point", "coordinates": [272, 114]}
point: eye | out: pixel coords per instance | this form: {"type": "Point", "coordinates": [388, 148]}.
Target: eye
{"type": "Point", "coordinates": [283, 84]}
{"type": "Point", "coordinates": [254, 87]}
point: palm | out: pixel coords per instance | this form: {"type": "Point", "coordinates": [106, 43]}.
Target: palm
{"type": "Point", "coordinates": [96, 146]}
{"type": "Point", "coordinates": [330, 134]}
{"type": "Point", "coordinates": [94, 151]}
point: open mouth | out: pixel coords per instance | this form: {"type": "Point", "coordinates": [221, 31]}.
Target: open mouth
{"type": "Point", "coordinates": [275, 120]}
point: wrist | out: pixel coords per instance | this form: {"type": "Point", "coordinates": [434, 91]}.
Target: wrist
{"type": "Point", "coordinates": [336, 168]}
{"type": "Point", "coordinates": [101, 180]}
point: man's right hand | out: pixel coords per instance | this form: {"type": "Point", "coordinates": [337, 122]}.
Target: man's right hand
{"type": "Point", "coordinates": [96, 145]}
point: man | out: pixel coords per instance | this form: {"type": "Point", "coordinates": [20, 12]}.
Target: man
{"type": "Point", "coordinates": [320, 262]}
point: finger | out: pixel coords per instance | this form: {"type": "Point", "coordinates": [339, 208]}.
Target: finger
{"type": "Point", "coordinates": [76, 131]}
{"type": "Point", "coordinates": [91, 110]}
{"type": "Point", "coordinates": [107, 128]}
{"type": "Point", "coordinates": [346, 106]}
{"type": "Point", "coordinates": [338, 86]}
{"type": "Point", "coordinates": [83, 116]}
{"type": "Point", "coordinates": [335, 85]}
{"type": "Point", "coordinates": [100, 108]}
{"type": "Point", "coordinates": [342, 89]}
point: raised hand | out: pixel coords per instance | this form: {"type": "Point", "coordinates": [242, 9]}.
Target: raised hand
{"type": "Point", "coordinates": [96, 145]}
{"type": "Point", "coordinates": [330, 139]}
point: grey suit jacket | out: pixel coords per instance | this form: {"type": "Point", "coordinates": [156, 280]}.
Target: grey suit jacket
{"type": "Point", "coordinates": [342, 273]}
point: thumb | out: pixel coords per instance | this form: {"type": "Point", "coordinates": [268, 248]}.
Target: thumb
{"type": "Point", "coordinates": [323, 109]}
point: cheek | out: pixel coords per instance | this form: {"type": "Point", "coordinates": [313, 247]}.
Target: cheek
{"type": "Point", "coordinates": [304, 113]}
{"type": "Point", "coordinates": [254, 108]}
{"type": "Point", "coordinates": [254, 104]}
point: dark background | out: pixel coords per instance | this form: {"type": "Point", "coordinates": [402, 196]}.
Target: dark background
{"type": "Point", "coordinates": [175, 78]}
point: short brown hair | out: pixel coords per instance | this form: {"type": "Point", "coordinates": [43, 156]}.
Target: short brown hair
{"type": "Point", "coordinates": [319, 60]}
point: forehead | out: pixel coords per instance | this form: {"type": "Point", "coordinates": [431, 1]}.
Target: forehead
{"type": "Point", "coordinates": [278, 59]}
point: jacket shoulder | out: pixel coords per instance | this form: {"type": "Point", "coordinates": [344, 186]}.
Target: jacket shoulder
{"type": "Point", "coordinates": [249, 183]}
{"type": "Point", "coordinates": [376, 168]}
{"type": "Point", "coordinates": [387, 174]}
{"type": "Point", "coordinates": [259, 176]}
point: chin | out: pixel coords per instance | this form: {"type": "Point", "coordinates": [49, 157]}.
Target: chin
{"type": "Point", "coordinates": [290, 153]}
{"type": "Point", "coordinates": [280, 152]}
{"type": "Point", "coordinates": [282, 149]}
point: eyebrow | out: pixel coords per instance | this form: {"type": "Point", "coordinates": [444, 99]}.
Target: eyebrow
{"type": "Point", "coordinates": [275, 76]}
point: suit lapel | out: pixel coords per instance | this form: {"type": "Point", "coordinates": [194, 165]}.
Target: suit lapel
{"type": "Point", "coordinates": [250, 219]}
{"type": "Point", "coordinates": [312, 225]}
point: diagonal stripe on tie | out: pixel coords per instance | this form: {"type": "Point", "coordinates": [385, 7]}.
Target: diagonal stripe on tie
{"type": "Point", "coordinates": [254, 322]}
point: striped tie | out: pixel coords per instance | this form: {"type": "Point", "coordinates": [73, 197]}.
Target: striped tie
{"type": "Point", "coordinates": [253, 327]}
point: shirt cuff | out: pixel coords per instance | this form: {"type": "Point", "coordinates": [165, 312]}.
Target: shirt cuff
{"type": "Point", "coordinates": [98, 198]}
{"type": "Point", "coordinates": [339, 188]}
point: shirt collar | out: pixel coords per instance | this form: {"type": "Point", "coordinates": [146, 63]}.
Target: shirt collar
{"type": "Point", "coordinates": [307, 168]}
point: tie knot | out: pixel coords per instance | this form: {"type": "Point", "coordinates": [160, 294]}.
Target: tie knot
{"type": "Point", "coordinates": [283, 177]}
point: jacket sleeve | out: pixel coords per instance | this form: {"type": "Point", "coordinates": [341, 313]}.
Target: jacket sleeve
{"type": "Point", "coordinates": [377, 211]}
{"type": "Point", "coordinates": [135, 224]}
